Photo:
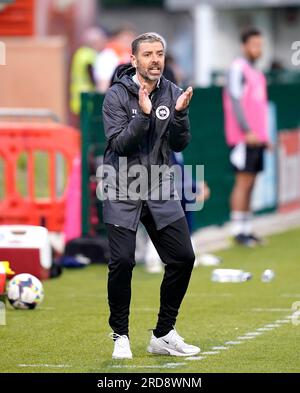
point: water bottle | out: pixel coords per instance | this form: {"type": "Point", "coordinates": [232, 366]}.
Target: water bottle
{"type": "Point", "coordinates": [230, 275]}
{"type": "Point", "coordinates": [268, 275]}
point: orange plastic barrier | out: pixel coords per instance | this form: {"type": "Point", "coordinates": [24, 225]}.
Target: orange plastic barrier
{"type": "Point", "coordinates": [17, 19]}
{"type": "Point", "coordinates": [20, 138]}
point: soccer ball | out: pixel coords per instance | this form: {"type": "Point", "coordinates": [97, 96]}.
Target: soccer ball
{"type": "Point", "coordinates": [25, 291]}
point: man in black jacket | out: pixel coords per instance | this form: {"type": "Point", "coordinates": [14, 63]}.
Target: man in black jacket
{"type": "Point", "coordinates": [145, 117]}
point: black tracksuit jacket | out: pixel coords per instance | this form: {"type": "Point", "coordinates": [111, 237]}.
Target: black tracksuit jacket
{"type": "Point", "coordinates": [142, 139]}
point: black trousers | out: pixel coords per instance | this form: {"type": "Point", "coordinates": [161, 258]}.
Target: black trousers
{"type": "Point", "coordinates": [174, 247]}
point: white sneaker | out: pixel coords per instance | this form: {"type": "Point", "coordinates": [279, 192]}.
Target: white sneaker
{"type": "Point", "coordinates": [122, 347]}
{"type": "Point", "coordinates": [171, 344]}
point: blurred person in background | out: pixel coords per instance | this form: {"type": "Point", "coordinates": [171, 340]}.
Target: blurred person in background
{"type": "Point", "coordinates": [245, 110]}
{"type": "Point", "coordinates": [82, 79]}
{"type": "Point", "coordinates": [172, 70]}
{"type": "Point", "coordinates": [116, 52]}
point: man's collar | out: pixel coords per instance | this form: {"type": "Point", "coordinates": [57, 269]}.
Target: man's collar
{"type": "Point", "coordinates": [137, 82]}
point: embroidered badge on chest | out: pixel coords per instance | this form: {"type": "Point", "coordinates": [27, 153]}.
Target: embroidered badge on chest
{"type": "Point", "coordinates": [162, 112]}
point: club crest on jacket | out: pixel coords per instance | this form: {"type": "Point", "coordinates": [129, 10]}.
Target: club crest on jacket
{"type": "Point", "coordinates": [162, 112]}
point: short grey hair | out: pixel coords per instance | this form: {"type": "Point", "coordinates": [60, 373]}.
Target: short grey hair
{"type": "Point", "coordinates": [147, 37]}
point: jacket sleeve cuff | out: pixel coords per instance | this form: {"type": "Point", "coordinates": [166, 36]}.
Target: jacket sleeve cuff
{"type": "Point", "coordinates": [182, 113]}
{"type": "Point", "coordinates": [144, 115]}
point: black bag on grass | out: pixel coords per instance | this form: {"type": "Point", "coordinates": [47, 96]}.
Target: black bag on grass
{"type": "Point", "coordinates": [94, 248]}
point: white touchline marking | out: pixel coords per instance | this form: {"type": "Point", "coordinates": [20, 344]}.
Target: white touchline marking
{"type": "Point", "coordinates": [45, 365]}
{"type": "Point", "coordinates": [272, 325]}
{"type": "Point", "coordinates": [219, 348]}
{"type": "Point", "coordinates": [174, 364]}
{"type": "Point", "coordinates": [167, 365]}
{"type": "Point", "coordinates": [246, 337]}
{"type": "Point", "coordinates": [253, 334]}
{"type": "Point", "coordinates": [210, 353]}
{"type": "Point", "coordinates": [120, 366]}
{"type": "Point", "coordinates": [233, 342]}
{"type": "Point", "coordinates": [264, 329]}
{"type": "Point", "coordinates": [195, 358]}
{"type": "Point", "coordinates": [283, 321]}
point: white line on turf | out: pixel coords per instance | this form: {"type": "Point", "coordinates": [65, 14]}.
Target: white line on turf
{"type": "Point", "coordinates": [167, 365]}
{"type": "Point", "coordinates": [246, 336]}
{"type": "Point", "coordinates": [195, 358]}
{"type": "Point", "coordinates": [45, 365]}
{"type": "Point", "coordinates": [219, 348]}
{"type": "Point", "coordinates": [174, 364]}
{"type": "Point", "coordinates": [264, 329]}
{"type": "Point", "coordinates": [253, 334]}
{"type": "Point", "coordinates": [233, 342]}
{"type": "Point", "coordinates": [210, 353]}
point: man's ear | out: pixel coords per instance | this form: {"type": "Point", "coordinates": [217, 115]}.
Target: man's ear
{"type": "Point", "coordinates": [133, 60]}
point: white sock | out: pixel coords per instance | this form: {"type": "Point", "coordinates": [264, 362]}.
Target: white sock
{"type": "Point", "coordinates": [237, 222]}
{"type": "Point", "coordinates": [248, 223]}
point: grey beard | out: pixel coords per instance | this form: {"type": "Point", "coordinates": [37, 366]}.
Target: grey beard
{"type": "Point", "coordinates": [148, 78]}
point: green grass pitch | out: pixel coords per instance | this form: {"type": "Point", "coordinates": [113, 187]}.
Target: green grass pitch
{"type": "Point", "coordinates": [69, 332]}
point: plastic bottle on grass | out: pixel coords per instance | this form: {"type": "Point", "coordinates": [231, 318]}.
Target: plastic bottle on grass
{"type": "Point", "coordinates": [230, 275]}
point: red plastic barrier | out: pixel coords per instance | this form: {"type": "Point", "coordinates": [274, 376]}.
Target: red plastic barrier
{"type": "Point", "coordinates": [51, 138]}
{"type": "Point", "coordinates": [17, 19]}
